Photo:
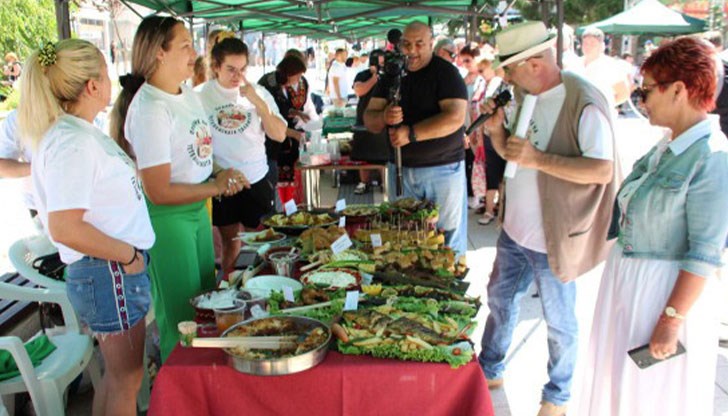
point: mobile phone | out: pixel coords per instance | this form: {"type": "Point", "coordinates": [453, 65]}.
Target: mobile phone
{"type": "Point", "coordinates": [246, 258]}
{"type": "Point", "coordinates": [642, 357]}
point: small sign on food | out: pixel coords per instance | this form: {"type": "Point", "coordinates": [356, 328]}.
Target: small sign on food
{"type": "Point", "coordinates": [342, 243]}
{"type": "Point", "coordinates": [352, 300]}
{"type": "Point", "coordinates": [376, 240]}
{"type": "Point", "coordinates": [290, 207]}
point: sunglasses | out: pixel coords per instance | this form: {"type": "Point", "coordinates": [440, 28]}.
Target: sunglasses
{"type": "Point", "coordinates": [450, 53]}
{"type": "Point", "coordinates": [644, 93]}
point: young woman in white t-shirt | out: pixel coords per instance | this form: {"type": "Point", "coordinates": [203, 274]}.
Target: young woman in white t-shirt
{"type": "Point", "coordinates": [165, 125]}
{"type": "Point", "coordinates": [88, 195]}
{"type": "Point", "coordinates": [240, 115]}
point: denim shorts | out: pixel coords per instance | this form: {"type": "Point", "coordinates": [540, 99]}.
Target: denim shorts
{"type": "Point", "coordinates": [104, 297]}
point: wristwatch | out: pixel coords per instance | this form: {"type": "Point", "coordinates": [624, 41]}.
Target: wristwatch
{"type": "Point", "coordinates": [412, 134]}
{"type": "Point", "coordinates": [671, 312]}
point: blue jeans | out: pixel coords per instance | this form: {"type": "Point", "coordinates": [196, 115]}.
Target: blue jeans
{"type": "Point", "coordinates": [445, 185]}
{"type": "Point", "coordinates": [514, 269]}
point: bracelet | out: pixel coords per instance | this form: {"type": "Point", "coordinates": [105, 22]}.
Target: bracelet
{"type": "Point", "coordinates": [136, 251]}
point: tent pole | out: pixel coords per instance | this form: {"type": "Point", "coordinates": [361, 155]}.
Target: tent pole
{"type": "Point", "coordinates": [262, 41]}
{"type": "Point", "coordinates": [560, 33]}
{"type": "Point", "coordinates": [63, 19]}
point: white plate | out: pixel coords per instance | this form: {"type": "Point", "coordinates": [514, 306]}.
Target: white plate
{"type": "Point", "coordinates": [262, 285]}
{"type": "Point", "coordinates": [249, 238]}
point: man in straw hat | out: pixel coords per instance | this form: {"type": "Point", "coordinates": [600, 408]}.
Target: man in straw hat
{"type": "Point", "coordinates": [557, 206]}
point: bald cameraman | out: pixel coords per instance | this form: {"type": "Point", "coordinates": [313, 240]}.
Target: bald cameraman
{"type": "Point", "coordinates": [428, 126]}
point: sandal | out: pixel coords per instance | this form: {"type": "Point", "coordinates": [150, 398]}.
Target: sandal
{"type": "Point", "coordinates": [486, 219]}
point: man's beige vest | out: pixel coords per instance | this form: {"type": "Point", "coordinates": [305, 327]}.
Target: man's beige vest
{"type": "Point", "coordinates": [576, 217]}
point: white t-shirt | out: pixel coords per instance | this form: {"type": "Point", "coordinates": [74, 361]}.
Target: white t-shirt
{"type": "Point", "coordinates": [79, 167]}
{"type": "Point", "coordinates": [339, 70]}
{"type": "Point", "coordinates": [237, 130]}
{"type": "Point", "coordinates": [12, 148]}
{"type": "Point", "coordinates": [604, 72]}
{"type": "Point", "coordinates": [170, 129]}
{"type": "Point", "coordinates": [523, 218]}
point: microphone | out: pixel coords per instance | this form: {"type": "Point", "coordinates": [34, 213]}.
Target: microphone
{"type": "Point", "coordinates": [500, 100]}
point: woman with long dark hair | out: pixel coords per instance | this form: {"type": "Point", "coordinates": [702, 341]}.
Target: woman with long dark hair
{"type": "Point", "coordinates": [165, 125]}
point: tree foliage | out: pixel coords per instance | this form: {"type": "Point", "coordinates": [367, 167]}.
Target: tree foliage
{"type": "Point", "coordinates": [576, 12]}
{"type": "Point", "coordinates": [24, 24]}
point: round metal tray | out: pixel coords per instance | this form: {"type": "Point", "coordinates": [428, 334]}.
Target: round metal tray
{"type": "Point", "coordinates": [281, 366]}
{"type": "Point", "coordinates": [295, 230]}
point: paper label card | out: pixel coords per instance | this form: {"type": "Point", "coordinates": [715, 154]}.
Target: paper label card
{"type": "Point", "coordinates": [342, 243]}
{"type": "Point", "coordinates": [352, 300]}
{"type": "Point", "coordinates": [376, 240]}
{"type": "Point", "coordinates": [340, 205]}
{"type": "Point", "coordinates": [288, 294]}
{"type": "Point", "coordinates": [342, 222]}
{"type": "Point", "coordinates": [290, 207]}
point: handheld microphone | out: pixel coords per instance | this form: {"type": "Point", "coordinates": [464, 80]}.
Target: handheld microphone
{"type": "Point", "coordinates": [500, 100]}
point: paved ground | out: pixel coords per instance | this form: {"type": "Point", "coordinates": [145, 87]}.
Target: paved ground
{"type": "Point", "coordinates": [526, 370]}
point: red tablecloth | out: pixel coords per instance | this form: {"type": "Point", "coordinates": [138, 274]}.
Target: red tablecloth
{"type": "Point", "coordinates": [200, 382]}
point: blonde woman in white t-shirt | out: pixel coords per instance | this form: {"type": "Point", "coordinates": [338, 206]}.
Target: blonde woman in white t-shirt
{"type": "Point", "coordinates": [240, 115]}
{"type": "Point", "coordinates": [87, 194]}
{"type": "Point", "coordinates": [165, 125]}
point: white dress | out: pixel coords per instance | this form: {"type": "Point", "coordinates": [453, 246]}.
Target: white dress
{"type": "Point", "coordinates": [632, 296]}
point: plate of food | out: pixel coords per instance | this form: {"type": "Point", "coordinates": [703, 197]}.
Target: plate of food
{"type": "Point", "coordinates": [309, 347]}
{"type": "Point", "coordinates": [268, 235]}
{"type": "Point", "coordinates": [332, 279]}
{"type": "Point", "coordinates": [296, 223]}
{"type": "Point", "coordinates": [206, 302]}
{"type": "Point", "coordinates": [360, 210]}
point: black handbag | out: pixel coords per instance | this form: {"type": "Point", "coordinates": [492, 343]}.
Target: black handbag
{"type": "Point", "coordinates": [51, 266]}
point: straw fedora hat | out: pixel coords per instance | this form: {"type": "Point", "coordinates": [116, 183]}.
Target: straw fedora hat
{"type": "Point", "coordinates": [523, 40]}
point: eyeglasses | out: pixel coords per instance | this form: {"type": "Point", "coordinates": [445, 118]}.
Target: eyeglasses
{"type": "Point", "coordinates": [510, 68]}
{"type": "Point", "coordinates": [450, 53]}
{"type": "Point", "coordinates": [644, 93]}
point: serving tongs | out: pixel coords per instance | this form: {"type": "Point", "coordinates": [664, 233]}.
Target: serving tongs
{"type": "Point", "coordinates": [259, 343]}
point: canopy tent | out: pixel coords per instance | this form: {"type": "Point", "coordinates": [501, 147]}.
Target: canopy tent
{"type": "Point", "coordinates": [649, 17]}
{"type": "Point", "coordinates": [353, 19]}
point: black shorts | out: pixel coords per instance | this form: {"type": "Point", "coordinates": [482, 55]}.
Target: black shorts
{"type": "Point", "coordinates": [495, 166]}
{"type": "Point", "coordinates": [246, 207]}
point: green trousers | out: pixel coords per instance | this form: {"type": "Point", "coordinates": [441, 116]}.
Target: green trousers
{"type": "Point", "coordinates": [182, 265]}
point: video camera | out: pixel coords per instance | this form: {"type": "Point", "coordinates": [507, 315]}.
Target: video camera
{"type": "Point", "coordinates": [394, 64]}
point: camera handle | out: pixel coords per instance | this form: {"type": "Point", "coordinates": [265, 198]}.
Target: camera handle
{"type": "Point", "coordinates": [394, 96]}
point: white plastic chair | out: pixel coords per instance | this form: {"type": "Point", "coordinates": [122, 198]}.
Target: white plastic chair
{"type": "Point", "coordinates": [74, 353]}
{"type": "Point", "coordinates": [21, 255]}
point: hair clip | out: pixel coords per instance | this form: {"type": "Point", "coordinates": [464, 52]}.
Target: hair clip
{"type": "Point", "coordinates": [47, 55]}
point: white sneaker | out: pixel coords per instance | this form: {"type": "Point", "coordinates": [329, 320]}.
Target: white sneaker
{"type": "Point", "coordinates": [473, 202]}
{"type": "Point", "coordinates": [361, 188]}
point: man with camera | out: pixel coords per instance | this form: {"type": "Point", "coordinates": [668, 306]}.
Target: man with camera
{"type": "Point", "coordinates": [366, 146]}
{"type": "Point", "coordinates": [557, 206]}
{"type": "Point", "coordinates": [427, 124]}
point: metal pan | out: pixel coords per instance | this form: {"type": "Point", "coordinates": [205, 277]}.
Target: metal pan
{"type": "Point", "coordinates": [282, 366]}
